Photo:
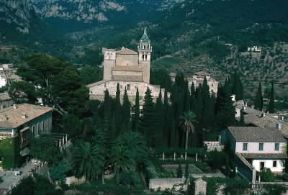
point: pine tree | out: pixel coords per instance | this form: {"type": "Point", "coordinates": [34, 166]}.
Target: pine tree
{"type": "Point", "coordinates": [258, 102]}
{"type": "Point", "coordinates": [271, 106]}
{"type": "Point", "coordinates": [136, 116]}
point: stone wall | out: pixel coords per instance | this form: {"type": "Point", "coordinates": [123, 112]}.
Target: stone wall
{"type": "Point", "coordinates": [97, 90]}
{"type": "Point", "coordinates": [167, 183]}
{"type": "Point", "coordinates": [126, 60]}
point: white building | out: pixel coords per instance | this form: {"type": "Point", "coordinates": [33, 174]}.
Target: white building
{"type": "Point", "coordinates": [129, 69]}
{"type": "Point", "coordinates": [262, 148]}
{"type": "Point", "coordinates": [7, 74]}
{"type": "Point", "coordinates": [198, 79]}
{"type": "Point", "coordinates": [254, 49]}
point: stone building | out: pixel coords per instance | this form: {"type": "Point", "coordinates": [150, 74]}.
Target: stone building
{"type": "Point", "coordinates": [18, 124]}
{"type": "Point", "coordinates": [198, 79]}
{"type": "Point", "coordinates": [129, 68]}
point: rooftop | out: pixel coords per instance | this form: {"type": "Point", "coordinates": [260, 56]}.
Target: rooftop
{"type": "Point", "coordinates": [256, 134]}
{"type": "Point", "coordinates": [13, 117]}
{"type": "Point", "coordinates": [265, 120]}
{"type": "Point", "coordinates": [126, 51]}
{"type": "Point", "coordinates": [5, 97]}
{"type": "Point", "coordinates": [145, 37]}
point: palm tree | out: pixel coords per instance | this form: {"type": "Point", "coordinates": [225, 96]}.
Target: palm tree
{"type": "Point", "coordinates": [129, 152]}
{"type": "Point", "coordinates": [88, 160]}
{"type": "Point", "coordinates": [186, 123]}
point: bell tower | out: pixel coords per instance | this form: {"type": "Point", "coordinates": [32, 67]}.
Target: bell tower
{"type": "Point", "coordinates": [144, 55]}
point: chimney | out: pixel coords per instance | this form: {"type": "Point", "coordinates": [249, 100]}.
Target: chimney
{"type": "Point", "coordinates": [24, 115]}
{"type": "Point", "coordinates": [279, 126]}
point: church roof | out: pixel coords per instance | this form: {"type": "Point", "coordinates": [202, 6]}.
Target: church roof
{"type": "Point", "coordinates": [126, 51]}
{"type": "Point", "coordinates": [145, 37]}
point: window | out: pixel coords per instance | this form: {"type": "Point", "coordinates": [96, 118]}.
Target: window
{"type": "Point", "coordinates": [274, 163]}
{"type": "Point", "coordinates": [128, 87]}
{"type": "Point", "coordinates": [261, 146]}
{"type": "Point", "coordinates": [262, 165]}
{"type": "Point", "coordinates": [276, 147]}
{"type": "Point", "coordinates": [245, 146]}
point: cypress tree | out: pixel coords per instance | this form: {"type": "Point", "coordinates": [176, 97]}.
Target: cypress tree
{"type": "Point", "coordinates": [118, 94]}
{"type": "Point", "coordinates": [159, 120]}
{"type": "Point", "coordinates": [205, 114]}
{"type": "Point", "coordinates": [225, 111]}
{"type": "Point", "coordinates": [199, 104]}
{"type": "Point", "coordinates": [192, 98]}
{"type": "Point", "coordinates": [237, 87]}
{"type": "Point", "coordinates": [174, 138]}
{"type": "Point", "coordinates": [166, 121]}
{"type": "Point", "coordinates": [126, 107]}
{"type": "Point", "coordinates": [258, 102]}
{"type": "Point", "coordinates": [242, 121]}
{"type": "Point", "coordinates": [186, 170]}
{"type": "Point", "coordinates": [117, 110]}
{"type": "Point", "coordinates": [271, 106]}
{"type": "Point", "coordinates": [147, 124]}
{"type": "Point", "coordinates": [136, 116]}
{"type": "Point", "coordinates": [179, 171]}
{"type": "Point", "coordinates": [186, 97]}
{"type": "Point", "coordinates": [107, 105]}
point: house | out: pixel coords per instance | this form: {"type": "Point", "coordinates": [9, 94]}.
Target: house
{"type": "Point", "coordinates": [18, 124]}
{"type": "Point", "coordinates": [262, 148]}
{"type": "Point", "coordinates": [266, 120]}
{"type": "Point", "coordinates": [129, 69]}
{"type": "Point", "coordinates": [8, 74]}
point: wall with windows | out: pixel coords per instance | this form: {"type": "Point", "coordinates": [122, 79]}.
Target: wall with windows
{"type": "Point", "coordinates": [253, 147]}
{"type": "Point", "coordinates": [40, 125]}
{"type": "Point", "coordinates": [276, 166]}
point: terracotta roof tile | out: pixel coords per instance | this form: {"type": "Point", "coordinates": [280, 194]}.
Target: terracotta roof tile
{"type": "Point", "coordinates": [13, 117]}
{"type": "Point", "coordinates": [256, 134]}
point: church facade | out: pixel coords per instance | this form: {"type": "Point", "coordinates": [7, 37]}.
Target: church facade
{"type": "Point", "coordinates": [129, 69]}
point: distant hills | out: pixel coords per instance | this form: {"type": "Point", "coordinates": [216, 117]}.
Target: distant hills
{"type": "Point", "coordinates": [193, 34]}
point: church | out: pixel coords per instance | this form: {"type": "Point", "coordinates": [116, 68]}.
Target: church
{"type": "Point", "coordinates": [130, 69]}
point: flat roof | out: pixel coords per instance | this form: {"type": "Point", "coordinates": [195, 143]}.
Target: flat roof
{"type": "Point", "coordinates": [14, 116]}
